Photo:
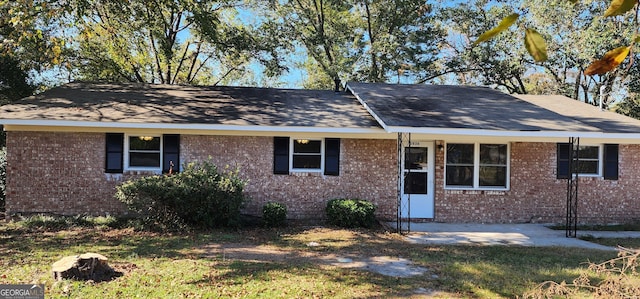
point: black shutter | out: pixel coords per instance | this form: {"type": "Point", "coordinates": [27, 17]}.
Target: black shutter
{"type": "Point", "coordinates": [170, 153]}
{"type": "Point", "coordinates": [332, 156]}
{"type": "Point", "coordinates": [563, 156]}
{"type": "Point", "coordinates": [610, 161]}
{"type": "Point", "coordinates": [114, 150]}
{"type": "Point", "coordinates": [281, 155]}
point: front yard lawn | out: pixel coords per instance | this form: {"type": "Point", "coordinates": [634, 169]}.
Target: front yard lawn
{"type": "Point", "coordinates": [155, 265]}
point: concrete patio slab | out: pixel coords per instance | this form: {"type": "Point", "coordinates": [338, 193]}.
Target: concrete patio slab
{"type": "Point", "coordinates": [537, 235]}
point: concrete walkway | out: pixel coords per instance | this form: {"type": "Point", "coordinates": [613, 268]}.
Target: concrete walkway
{"type": "Point", "coordinates": [505, 234]}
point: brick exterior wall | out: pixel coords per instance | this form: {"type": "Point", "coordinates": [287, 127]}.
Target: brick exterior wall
{"type": "Point", "coordinates": [367, 171]}
{"type": "Point", "coordinates": [536, 195]}
{"type": "Point", "coordinates": [63, 173]}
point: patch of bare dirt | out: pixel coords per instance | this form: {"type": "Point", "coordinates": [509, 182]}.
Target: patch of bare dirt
{"type": "Point", "coordinates": [124, 268]}
{"type": "Point", "coordinates": [385, 265]}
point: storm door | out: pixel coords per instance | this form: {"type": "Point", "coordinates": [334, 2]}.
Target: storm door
{"type": "Point", "coordinates": [417, 185]}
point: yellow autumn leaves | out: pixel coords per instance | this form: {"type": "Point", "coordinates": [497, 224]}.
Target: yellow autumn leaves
{"type": "Point", "coordinates": [535, 44]}
{"type": "Point", "coordinates": [615, 57]}
{"type": "Point", "coordinates": [502, 26]}
{"type": "Point", "coordinates": [619, 7]}
{"type": "Point", "coordinates": [533, 41]}
{"type": "Point", "coordinates": [537, 47]}
{"type": "Point", "coordinates": [608, 62]}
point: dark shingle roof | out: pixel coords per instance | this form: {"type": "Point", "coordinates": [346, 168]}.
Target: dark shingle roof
{"type": "Point", "coordinates": [398, 107]}
{"type": "Point", "coordinates": [471, 107]}
{"type": "Point", "coordinates": [606, 121]}
{"type": "Point", "coordinates": [173, 104]}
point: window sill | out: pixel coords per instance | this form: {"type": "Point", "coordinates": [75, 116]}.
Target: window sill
{"type": "Point", "coordinates": [485, 191]}
{"type": "Point", "coordinates": [585, 176]}
{"type": "Point", "coordinates": [306, 173]}
{"type": "Point", "coordinates": [142, 171]}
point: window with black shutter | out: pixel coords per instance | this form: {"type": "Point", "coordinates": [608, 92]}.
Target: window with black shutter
{"type": "Point", "coordinates": [592, 160]}
{"type": "Point", "coordinates": [141, 152]}
{"type": "Point", "coordinates": [306, 155]}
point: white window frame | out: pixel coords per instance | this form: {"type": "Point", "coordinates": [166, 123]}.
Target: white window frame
{"type": "Point", "coordinates": [600, 160]}
{"type": "Point", "coordinates": [127, 149]}
{"type": "Point", "coordinates": [292, 140]}
{"type": "Point", "coordinates": [476, 168]}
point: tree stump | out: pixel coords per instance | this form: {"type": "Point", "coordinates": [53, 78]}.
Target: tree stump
{"type": "Point", "coordinates": [88, 266]}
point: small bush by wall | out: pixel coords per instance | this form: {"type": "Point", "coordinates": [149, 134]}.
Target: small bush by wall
{"type": "Point", "coordinates": [274, 214]}
{"type": "Point", "coordinates": [200, 196]}
{"type": "Point", "coordinates": [346, 212]}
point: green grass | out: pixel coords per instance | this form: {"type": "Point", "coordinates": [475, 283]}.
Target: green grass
{"type": "Point", "coordinates": [611, 227]}
{"type": "Point", "coordinates": [158, 265]}
{"type": "Point", "coordinates": [629, 243]}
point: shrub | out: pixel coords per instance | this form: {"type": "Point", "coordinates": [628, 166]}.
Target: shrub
{"type": "Point", "coordinates": [274, 214]}
{"type": "Point", "coordinates": [347, 212]}
{"type": "Point", "coordinates": [3, 176]}
{"type": "Point", "coordinates": [200, 196]}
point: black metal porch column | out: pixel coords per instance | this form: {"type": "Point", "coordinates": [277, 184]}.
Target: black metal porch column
{"type": "Point", "coordinates": [572, 188]}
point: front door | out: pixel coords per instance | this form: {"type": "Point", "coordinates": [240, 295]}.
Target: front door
{"type": "Point", "coordinates": [417, 186]}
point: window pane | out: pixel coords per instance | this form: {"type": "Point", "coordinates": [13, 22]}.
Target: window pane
{"type": "Point", "coordinates": [306, 146]}
{"type": "Point", "coordinates": [588, 152]}
{"type": "Point", "coordinates": [144, 159]}
{"type": "Point", "coordinates": [144, 143]}
{"type": "Point", "coordinates": [459, 176]}
{"type": "Point", "coordinates": [588, 167]}
{"type": "Point", "coordinates": [493, 154]}
{"type": "Point", "coordinates": [415, 183]}
{"type": "Point", "coordinates": [459, 153]}
{"type": "Point", "coordinates": [306, 161]}
{"type": "Point", "coordinates": [415, 158]}
{"type": "Point", "coordinates": [493, 176]}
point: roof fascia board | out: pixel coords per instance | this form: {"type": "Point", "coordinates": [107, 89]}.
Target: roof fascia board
{"type": "Point", "coordinates": [364, 104]}
{"type": "Point", "coordinates": [494, 139]}
{"type": "Point", "coordinates": [512, 134]}
{"type": "Point", "coordinates": [303, 135]}
{"type": "Point", "coordinates": [207, 127]}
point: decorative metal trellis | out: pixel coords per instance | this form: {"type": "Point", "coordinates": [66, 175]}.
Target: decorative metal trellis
{"type": "Point", "coordinates": [404, 207]}
{"type": "Point", "coordinates": [572, 187]}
